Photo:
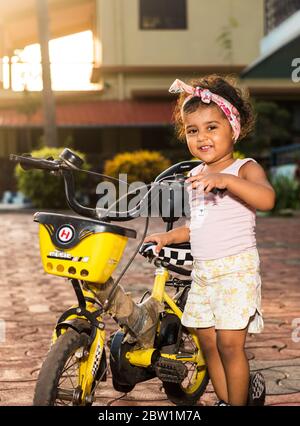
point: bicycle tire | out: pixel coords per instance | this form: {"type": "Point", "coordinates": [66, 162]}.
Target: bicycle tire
{"type": "Point", "coordinates": [47, 385]}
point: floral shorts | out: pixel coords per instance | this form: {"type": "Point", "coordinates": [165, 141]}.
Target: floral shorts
{"type": "Point", "coordinates": [226, 293]}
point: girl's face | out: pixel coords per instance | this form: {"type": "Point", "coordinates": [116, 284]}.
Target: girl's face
{"type": "Point", "coordinates": [207, 126]}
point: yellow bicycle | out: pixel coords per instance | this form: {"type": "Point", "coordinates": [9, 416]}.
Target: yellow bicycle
{"type": "Point", "coordinates": [86, 249]}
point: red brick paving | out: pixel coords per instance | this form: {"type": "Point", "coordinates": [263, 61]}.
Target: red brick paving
{"type": "Point", "coordinates": [31, 301]}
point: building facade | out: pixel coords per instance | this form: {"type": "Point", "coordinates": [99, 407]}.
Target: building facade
{"type": "Point", "coordinates": [140, 47]}
{"type": "Point", "coordinates": [276, 71]}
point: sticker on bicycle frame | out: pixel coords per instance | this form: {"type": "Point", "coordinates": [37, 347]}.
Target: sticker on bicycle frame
{"type": "Point", "coordinates": [65, 234]}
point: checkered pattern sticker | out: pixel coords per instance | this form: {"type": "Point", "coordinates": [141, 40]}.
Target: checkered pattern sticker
{"type": "Point", "coordinates": [172, 255]}
{"type": "Point", "coordinates": [97, 360]}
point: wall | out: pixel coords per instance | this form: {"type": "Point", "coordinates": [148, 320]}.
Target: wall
{"type": "Point", "coordinates": [124, 43]}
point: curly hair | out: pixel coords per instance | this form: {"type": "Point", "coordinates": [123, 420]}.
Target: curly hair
{"type": "Point", "coordinates": [222, 86]}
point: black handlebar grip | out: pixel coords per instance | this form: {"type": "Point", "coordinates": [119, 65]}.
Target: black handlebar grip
{"type": "Point", "coordinates": [182, 178]}
{"type": "Point", "coordinates": [28, 163]}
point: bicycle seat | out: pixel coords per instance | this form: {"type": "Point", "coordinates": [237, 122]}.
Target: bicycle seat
{"type": "Point", "coordinates": [174, 254]}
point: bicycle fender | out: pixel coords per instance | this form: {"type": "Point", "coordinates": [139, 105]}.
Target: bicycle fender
{"type": "Point", "coordinates": [77, 324]}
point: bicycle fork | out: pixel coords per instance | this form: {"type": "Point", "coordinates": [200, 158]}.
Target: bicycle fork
{"type": "Point", "coordinates": [86, 318]}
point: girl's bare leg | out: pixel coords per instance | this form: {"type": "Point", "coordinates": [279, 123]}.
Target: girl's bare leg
{"type": "Point", "coordinates": [231, 348]}
{"type": "Point", "coordinates": [208, 342]}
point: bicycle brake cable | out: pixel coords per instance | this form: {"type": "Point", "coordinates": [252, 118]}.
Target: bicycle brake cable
{"type": "Point", "coordinates": [109, 298]}
{"type": "Point", "coordinates": [89, 172]}
{"type": "Point", "coordinates": [108, 301]}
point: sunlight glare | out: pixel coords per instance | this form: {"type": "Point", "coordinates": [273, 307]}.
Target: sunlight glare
{"type": "Point", "coordinates": [71, 60]}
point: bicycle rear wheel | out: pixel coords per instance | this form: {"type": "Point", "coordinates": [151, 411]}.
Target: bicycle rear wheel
{"type": "Point", "coordinates": [58, 380]}
{"type": "Point", "coordinates": [193, 386]}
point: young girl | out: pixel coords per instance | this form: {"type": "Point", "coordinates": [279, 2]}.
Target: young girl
{"type": "Point", "coordinates": [225, 296]}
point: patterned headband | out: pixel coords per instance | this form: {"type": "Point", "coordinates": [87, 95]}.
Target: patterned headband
{"type": "Point", "coordinates": [207, 96]}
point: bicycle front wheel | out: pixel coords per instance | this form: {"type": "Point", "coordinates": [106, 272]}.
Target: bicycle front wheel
{"type": "Point", "coordinates": [58, 380]}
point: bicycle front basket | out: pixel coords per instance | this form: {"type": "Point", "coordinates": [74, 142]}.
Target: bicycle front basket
{"type": "Point", "coordinates": [76, 247]}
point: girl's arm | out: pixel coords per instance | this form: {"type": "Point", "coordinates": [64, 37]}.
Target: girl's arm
{"type": "Point", "coordinates": [252, 187]}
{"type": "Point", "coordinates": [175, 236]}
{"type": "Point", "coordinates": [179, 235]}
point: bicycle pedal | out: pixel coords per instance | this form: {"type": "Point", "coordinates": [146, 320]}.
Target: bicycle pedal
{"type": "Point", "coordinates": [169, 370]}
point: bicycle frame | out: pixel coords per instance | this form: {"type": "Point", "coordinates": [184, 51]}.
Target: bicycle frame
{"type": "Point", "coordinates": [142, 357]}
{"type": "Point", "coordinates": [86, 317]}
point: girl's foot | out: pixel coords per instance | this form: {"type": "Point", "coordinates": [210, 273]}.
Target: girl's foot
{"type": "Point", "coordinates": [257, 389]}
{"type": "Point", "coordinates": [221, 403]}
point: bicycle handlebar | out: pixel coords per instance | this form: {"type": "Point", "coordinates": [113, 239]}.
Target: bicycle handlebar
{"type": "Point", "coordinates": [65, 168]}
{"type": "Point", "coordinates": [27, 162]}
{"type": "Point", "coordinates": [70, 162]}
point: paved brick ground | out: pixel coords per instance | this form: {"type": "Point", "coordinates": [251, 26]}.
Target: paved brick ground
{"type": "Point", "coordinates": [31, 301]}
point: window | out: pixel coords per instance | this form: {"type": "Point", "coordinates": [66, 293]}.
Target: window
{"type": "Point", "coordinates": [277, 11]}
{"type": "Point", "coordinates": [163, 14]}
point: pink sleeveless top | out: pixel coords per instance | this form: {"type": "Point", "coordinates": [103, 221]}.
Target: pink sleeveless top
{"type": "Point", "coordinates": [220, 225]}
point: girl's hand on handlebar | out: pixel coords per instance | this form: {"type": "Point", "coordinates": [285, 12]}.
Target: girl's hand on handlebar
{"type": "Point", "coordinates": [209, 181]}
{"type": "Point", "coordinates": [161, 240]}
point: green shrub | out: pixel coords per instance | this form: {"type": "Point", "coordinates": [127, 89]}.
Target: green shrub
{"type": "Point", "coordinates": [42, 188]}
{"type": "Point", "coordinates": [141, 166]}
{"type": "Point", "coordinates": [287, 193]}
